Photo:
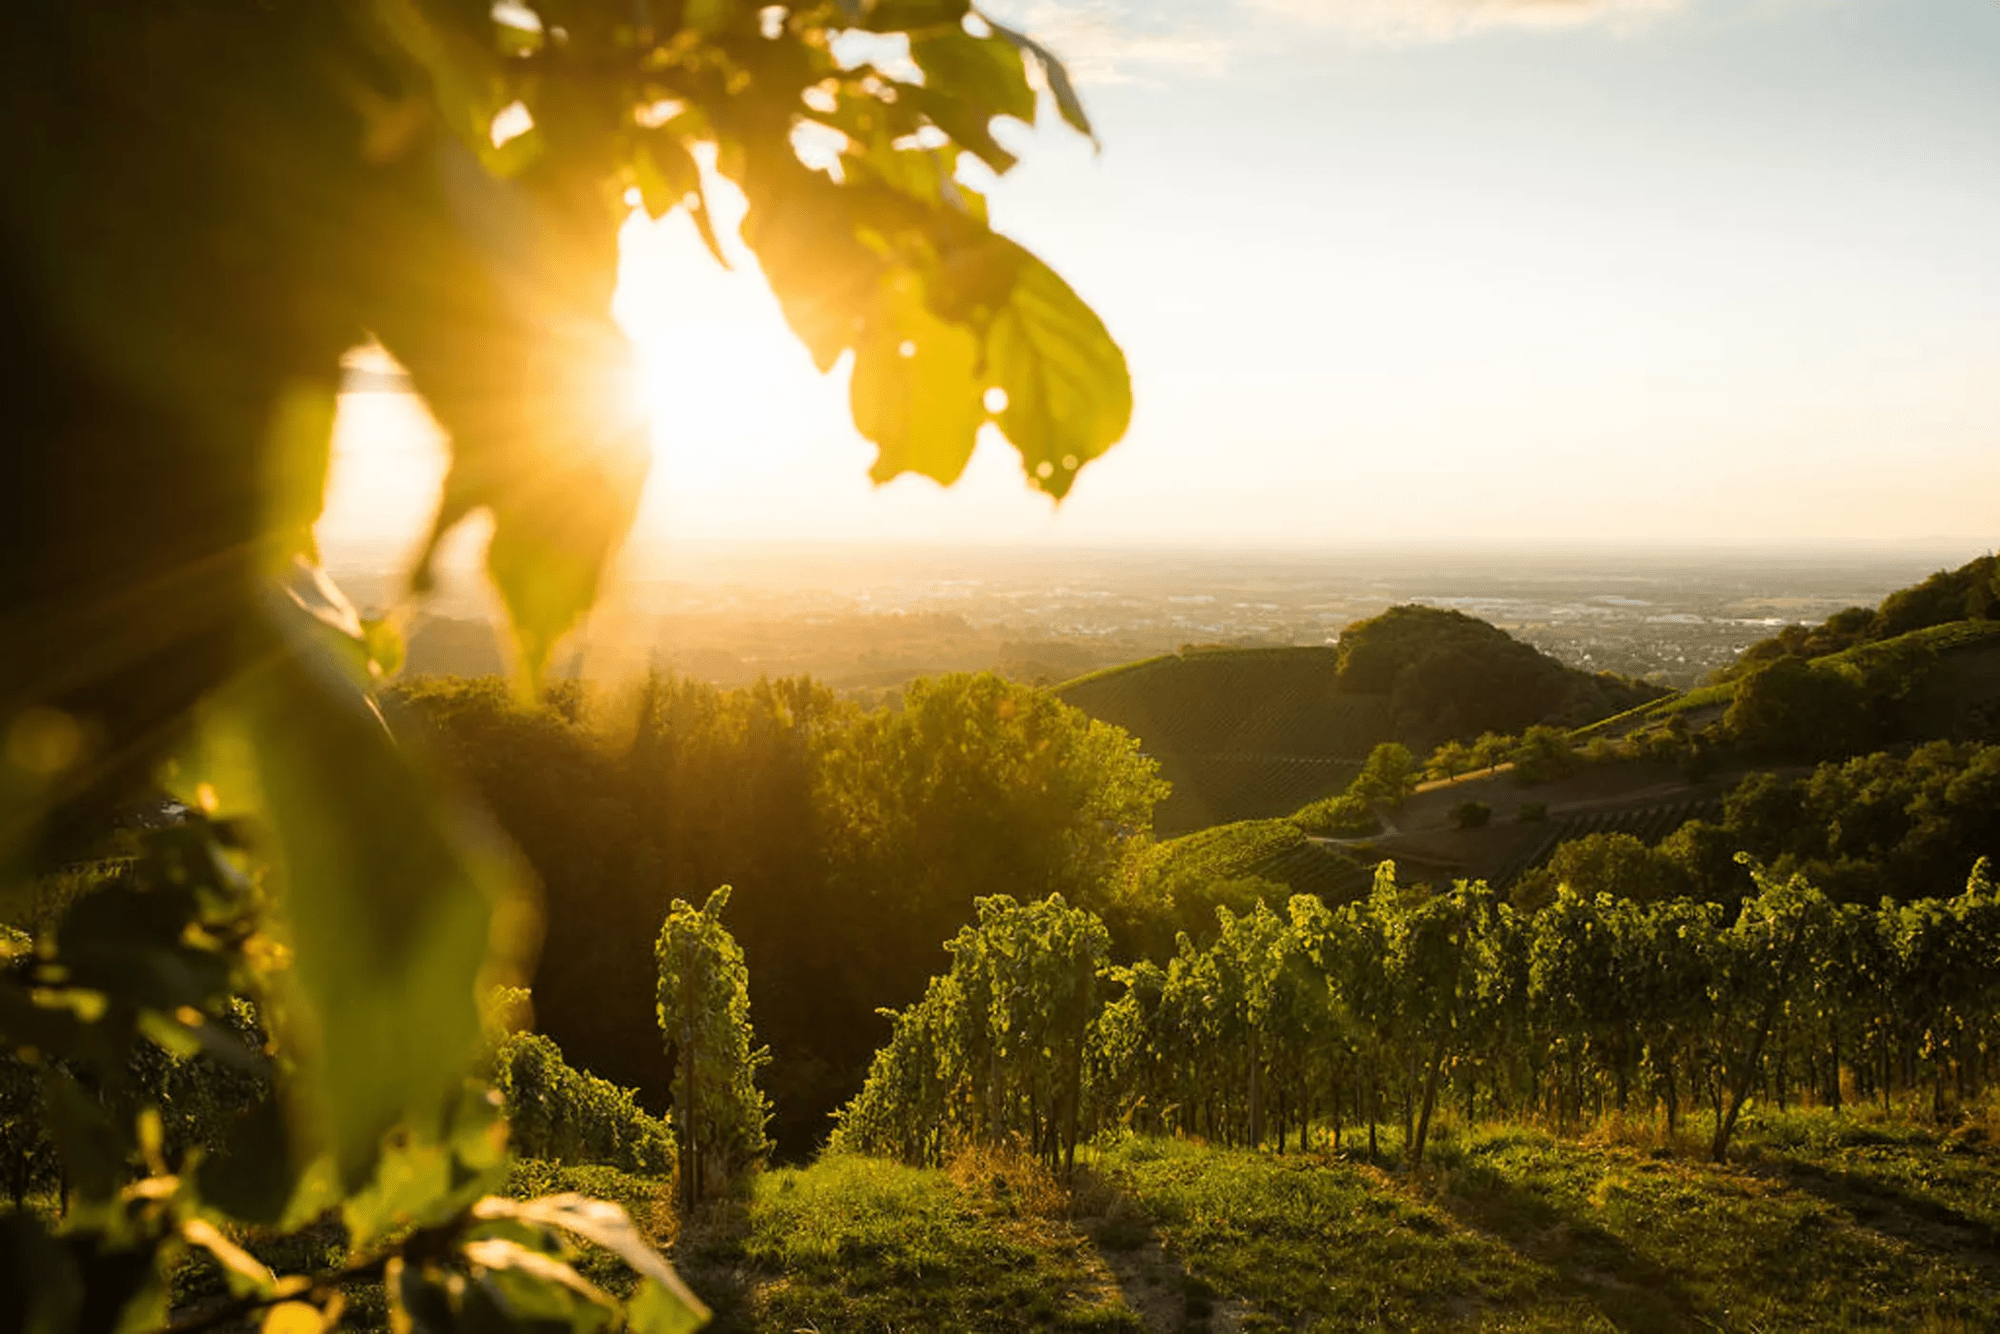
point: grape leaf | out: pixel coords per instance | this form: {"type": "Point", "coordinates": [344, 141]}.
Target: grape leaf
{"type": "Point", "coordinates": [915, 391]}
{"type": "Point", "coordinates": [1069, 394]}
{"type": "Point", "coordinates": [1067, 101]}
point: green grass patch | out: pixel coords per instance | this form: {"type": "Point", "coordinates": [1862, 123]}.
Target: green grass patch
{"type": "Point", "coordinates": [1828, 1222]}
{"type": "Point", "coordinates": [1324, 1244]}
{"type": "Point", "coordinates": [860, 1244]}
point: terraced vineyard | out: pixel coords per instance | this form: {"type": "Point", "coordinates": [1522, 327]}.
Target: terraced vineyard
{"type": "Point", "coordinates": [1648, 824]}
{"type": "Point", "coordinates": [1271, 849]}
{"type": "Point", "coordinates": [1240, 733]}
{"type": "Point", "coordinates": [1965, 643]}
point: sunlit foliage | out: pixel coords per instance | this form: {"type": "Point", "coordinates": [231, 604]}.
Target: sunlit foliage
{"type": "Point", "coordinates": [217, 202]}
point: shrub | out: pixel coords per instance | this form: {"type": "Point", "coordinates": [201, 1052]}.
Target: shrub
{"type": "Point", "coordinates": [565, 1115]}
{"type": "Point", "coordinates": [1542, 755]}
{"type": "Point", "coordinates": [1344, 816]}
{"type": "Point", "coordinates": [704, 1013]}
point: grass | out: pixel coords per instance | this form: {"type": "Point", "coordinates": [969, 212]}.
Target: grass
{"type": "Point", "coordinates": [859, 1244]}
{"type": "Point", "coordinates": [1828, 1222]}
{"type": "Point", "coordinates": [1315, 1243]}
{"type": "Point", "coordinates": [1821, 1221]}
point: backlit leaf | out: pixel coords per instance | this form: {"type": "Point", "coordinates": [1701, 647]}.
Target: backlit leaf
{"type": "Point", "coordinates": [389, 900]}
{"type": "Point", "coordinates": [914, 390]}
{"type": "Point", "coordinates": [534, 382]}
{"type": "Point", "coordinates": [670, 178]}
{"type": "Point", "coordinates": [969, 80]}
{"type": "Point", "coordinates": [801, 226]}
{"type": "Point", "coordinates": [1069, 394]}
{"type": "Point", "coordinates": [602, 1224]}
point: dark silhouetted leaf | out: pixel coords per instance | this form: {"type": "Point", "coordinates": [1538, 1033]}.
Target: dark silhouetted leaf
{"type": "Point", "coordinates": [1058, 78]}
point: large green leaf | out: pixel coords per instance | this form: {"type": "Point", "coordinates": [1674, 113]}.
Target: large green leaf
{"type": "Point", "coordinates": [1069, 394]}
{"type": "Point", "coordinates": [915, 391]}
{"type": "Point", "coordinates": [967, 82]}
{"type": "Point", "coordinates": [663, 1304]}
{"type": "Point", "coordinates": [389, 902]}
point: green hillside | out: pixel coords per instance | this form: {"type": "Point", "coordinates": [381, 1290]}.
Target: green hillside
{"type": "Point", "coordinates": [1947, 676]}
{"type": "Point", "coordinates": [1968, 594]}
{"type": "Point", "coordinates": [1943, 618]}
{"type": "Point", "coordinates": [1254, 733]}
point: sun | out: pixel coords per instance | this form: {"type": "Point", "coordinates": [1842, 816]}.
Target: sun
{"type": "Point", "coordinates": [739, 411]}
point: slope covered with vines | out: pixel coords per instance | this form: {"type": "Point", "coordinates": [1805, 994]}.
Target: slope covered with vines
{"type": "Point", "coordinates": [1319, 1022]}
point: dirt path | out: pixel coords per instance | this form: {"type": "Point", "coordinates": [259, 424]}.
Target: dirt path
{"type": "Point", "coordinates": [1155, 1284]}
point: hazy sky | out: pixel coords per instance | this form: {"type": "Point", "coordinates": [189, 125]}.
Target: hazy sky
{"type": "Point", "coordinates": [1678, 271]}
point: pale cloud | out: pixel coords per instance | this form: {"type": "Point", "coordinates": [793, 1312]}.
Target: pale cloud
{"type": "Point", "coordinates": [1115, 41]}
{"type": "Point", "coordinates": [1105, 41]}
{"type": "Point", "coordinates": [1437, 20]}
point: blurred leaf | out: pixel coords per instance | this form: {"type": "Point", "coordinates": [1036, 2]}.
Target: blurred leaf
{"type": "Point", "coordinates": [670, 178]}
{"type": "Point", "coordinates": [410, 1183]}
{"type": "Point", "coordinates": [298, 447]}
{"type": "Point", "coordinates": [534, 382]}
{"type": "Point", "coordinates": [294, 1318]}
{"type": "Point", "coordinates": [419, 1301]}
{"type": "Point", "coordinates": [255, 1176]}
{"type": "Point", "coordinates": [244, 1272]}
{"type": "Point", "coordinates": [969, 80]}
{"type": "Point", "coordinates": [95, 1150]}
{"type": "Point", "coordinates": [389, 902]}
{"type": "Point", "coordinates": [905, 15]}
{"type": "Point", "coordinates": [40, 1289]}
{"type": "Point", "coordinates": [501, 1253]}
{"type": "Point", "coordinates": [426, 1184]}
{"type": "Point", "coordinates": [386, 650]}
{"type": "Point", "coordinates": [1058, 78]}
{"type": "Point", "coordinates": [512, 33]}
{"type": "Point", "coordinates": [602, 1224]}
{"type": "Point", "coordinates": [119, 1271]}
{"type": "Point", "coordinates": [915, 390]}
{"type": "Point", "coordinates": [925, 174]}
{"type": "Point", "coordinates": [658, 1309]}
{"type": "Point", "coordinates": [707, 16]}
{"type": "Point", "coordinates": [1069, 394]}
{"type": "Point", "coordinates": [802, 227]}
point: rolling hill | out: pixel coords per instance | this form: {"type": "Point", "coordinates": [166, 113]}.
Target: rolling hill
{"type": "Point", "coordinates": [1254, 733]}
{"type": "Point", "coordinates": [1937, 683]}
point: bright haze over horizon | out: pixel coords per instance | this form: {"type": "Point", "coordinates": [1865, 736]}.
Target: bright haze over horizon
{"type": "Point", "coordinates": [1659, 272]}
